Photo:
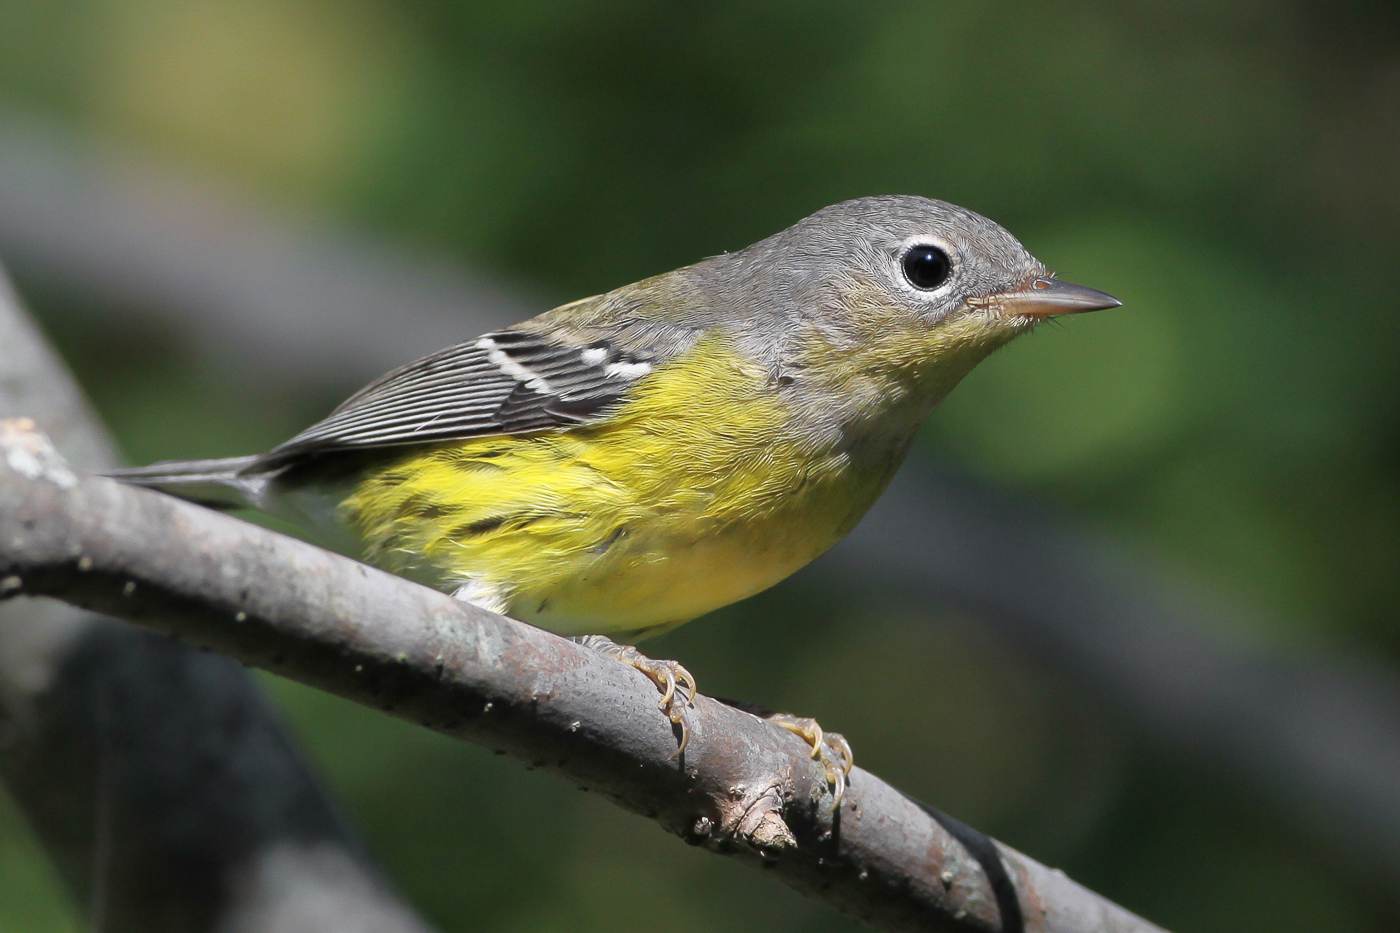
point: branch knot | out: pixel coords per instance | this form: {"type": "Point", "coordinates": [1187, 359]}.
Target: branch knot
{"type": "Point", "coordinates": [31, 454]}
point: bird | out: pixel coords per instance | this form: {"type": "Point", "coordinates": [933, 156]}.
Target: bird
{"type": "Point", "coordinates": [625, 463]}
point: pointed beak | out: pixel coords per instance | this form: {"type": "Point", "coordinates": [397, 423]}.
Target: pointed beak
{"type": "Point", "coordinates": [1046, 296]}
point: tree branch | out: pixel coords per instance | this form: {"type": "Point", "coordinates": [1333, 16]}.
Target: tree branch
{"type": "Point", "coordinates": [294, 303]}
{"type": "Point", "coordinates": [159, 780]}
{"type": "Point", "coordinates": [744, 787]}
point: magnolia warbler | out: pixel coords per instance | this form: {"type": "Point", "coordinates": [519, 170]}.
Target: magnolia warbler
{"type": "Point", "coordinates": [627, 462]}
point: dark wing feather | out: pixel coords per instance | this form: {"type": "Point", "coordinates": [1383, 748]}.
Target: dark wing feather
{"type": "Point", "coordinates": [507, 382]}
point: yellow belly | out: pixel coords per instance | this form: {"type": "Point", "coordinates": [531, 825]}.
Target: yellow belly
{"type": "Point", "coordinates": [697, 494]}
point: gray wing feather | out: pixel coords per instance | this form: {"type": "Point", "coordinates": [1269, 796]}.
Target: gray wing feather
{"type": "Point", "coordinates": [508, 382]}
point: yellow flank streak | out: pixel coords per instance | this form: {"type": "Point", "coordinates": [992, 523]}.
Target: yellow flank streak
{"type": "Point", "coordinates": [695, 495]}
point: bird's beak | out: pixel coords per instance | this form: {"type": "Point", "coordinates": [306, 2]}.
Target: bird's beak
{"type": "Point", "coordinates": [1046, 296]}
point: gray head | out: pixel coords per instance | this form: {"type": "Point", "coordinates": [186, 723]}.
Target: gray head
{"type": "Point", "coordinates": [905, 283]}
{"type": "Point", "coordinates": [934, 258]}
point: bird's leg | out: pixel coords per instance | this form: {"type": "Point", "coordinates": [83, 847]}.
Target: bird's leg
{"type": "Point", "coordinates": [830, 748]}
{"type": "Point", "coordinates": [676, 684]}
{"type": "Point", "coordinates": [677, 687]}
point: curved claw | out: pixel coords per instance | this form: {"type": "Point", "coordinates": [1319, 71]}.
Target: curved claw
{"type": "Point", "coordinates": [837, 771]}
{"type": "Point", "coordinates": [830, 748]}
{"type": "Point", "coordinates": [677, 690]}
{"type": "Point", "coordinates": [676, 684]}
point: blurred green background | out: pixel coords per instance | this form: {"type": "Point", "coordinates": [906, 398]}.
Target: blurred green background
{"type": "Point", "coordinates": [1228, 169]}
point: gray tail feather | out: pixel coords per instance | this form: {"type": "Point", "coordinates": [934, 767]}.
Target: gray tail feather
{"type": "Point", "coordinates": [219, 484]}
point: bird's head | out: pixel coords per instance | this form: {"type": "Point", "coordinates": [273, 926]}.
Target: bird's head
{"type": "Point", "coordinates": [908, 286]}
{"type": "Point", "coordinates": [934, 264]}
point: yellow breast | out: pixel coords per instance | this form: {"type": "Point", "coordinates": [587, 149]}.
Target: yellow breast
{"type": "Point", "coordinates": [696, 494]}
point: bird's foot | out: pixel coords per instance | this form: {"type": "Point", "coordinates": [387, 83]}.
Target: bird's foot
{"type": "Point", "coordinates": [830, 748]}
{"type": "Point", "coordinates": [676, 684]}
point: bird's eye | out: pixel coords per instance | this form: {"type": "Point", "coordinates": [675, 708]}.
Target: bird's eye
{"type": "Point", "coordinates": [926, 267]}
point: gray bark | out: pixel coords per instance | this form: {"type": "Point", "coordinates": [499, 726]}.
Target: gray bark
{"type": "Point", "coordinates": [157, 778]}
{"type": "Point", "coordinates": [744, 787]}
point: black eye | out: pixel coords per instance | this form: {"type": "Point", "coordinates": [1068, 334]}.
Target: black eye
{"type": "Point", "coordinates": [926, 267]}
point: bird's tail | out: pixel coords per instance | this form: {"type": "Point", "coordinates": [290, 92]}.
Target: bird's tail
{"type": "Point", "coordinates": [218, 484]}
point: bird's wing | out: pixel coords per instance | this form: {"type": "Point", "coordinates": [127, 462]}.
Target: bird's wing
{"type": "Point", "coordinates": [507, 382]}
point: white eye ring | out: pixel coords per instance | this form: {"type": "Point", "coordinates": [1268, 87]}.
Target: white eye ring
{"type": "Point", "coordinates": [926, 267]}
{"type": "Point", "coordinates": [932, 247]}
